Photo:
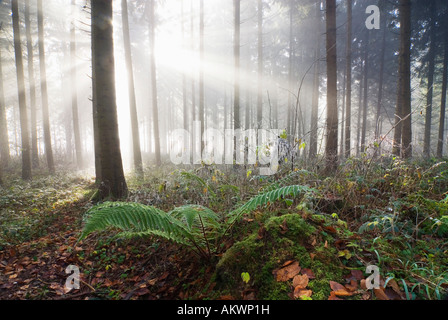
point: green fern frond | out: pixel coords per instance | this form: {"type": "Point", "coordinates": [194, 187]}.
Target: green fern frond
{"type": "Point", "coordinates": [135, 219]}
{"type": "Point", "coordinates": [195, 216]}
{"type": "Point", "coordinates": [289, 179]}
{"type": "Point", "coordinates": [269, 197]}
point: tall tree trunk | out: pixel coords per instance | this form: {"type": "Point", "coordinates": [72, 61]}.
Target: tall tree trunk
{"type": "Point", "coordinates": [348, 92]}
{"type": "Point", "coordinates": [26, 152]}
{"type": "Point", "coordinates": [366, 92]}
{"type": "Point", "coordinates": [260, 65]}
{"type": "Point", "coordinates": [380, 83]}
{"type": "Point", "coordinates": [360, 108]}
{"type": "Point", "coordinates": [443, 102]}
{"type": "Point", "coordinates": [138, 163]}
{"type": "Point", "coordinates": [236, 57]}
{"type": "Point", "coordinates": [184, 76]}
{"type": "Point", "coordinates": [290, 112]}
{"type": "Point", "coordinates": [4, 140]}
{"type": "Point", "coordinates": [403, 122]}
{"type": "Point", "coordinates": [155, 108]}
{"type": "Point", "coordinates": [44, 91]}
{"type": "Point", "coordinates": [74, 88]}
{"type": "Point", "coordinates": [201, 72]}
{"type": "Point", "coordinates": [430, 91]}
{"type": "Point", "coordinates": [341, 146]}
{"type": "Point", "coordinates": [113, 183]}
{"type": "Point", "coordinates": [331, 150]}
{"type": "Point", "coordinates": [32, 82]}
{"type": "Point", "coordinates": [316, 83]}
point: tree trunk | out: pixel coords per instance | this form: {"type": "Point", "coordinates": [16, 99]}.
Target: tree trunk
{"type": "Point", "coordinates": [26, 152]}
{"type": "Point", "coordinates": [44, 92]}
{"type": "Point", "coordinates": [316, 83]}
{"type": "Point", "coordinates": [74, 89]}
{"type": "Point", "coordinates": [430, 91]}
{"type": "Point", "coordinates": [331, 150]}
{"type": "Point", "coordinates": [113, 183]}
{"type": "Point", "coordinates": [138, 163]}
{"type": "Point", "coordinates": [380, 83]}
{"type": "Point", "coordinates": [236, 57]}
{"type": "Point", "coordinates": [32, 82]}
{"type": "Point", "coordinates": [348, 92]}
{"type": "Point", "coordinates": [443, 102]}
{"type": "Point", "coordinates": [4, 140]}
{"type": "Point", "coordinates": [155, 108]}
{"type": "Point", "coordinates": [403, 124]}
{"type": "Point", "coordinates": [366, 92]}
{"type": "Point", "coordinates": [201, 72]}
{"type": "Point", "coordinates": [260, 65]}
{"type": "Point", "coordinates": [290, 113]}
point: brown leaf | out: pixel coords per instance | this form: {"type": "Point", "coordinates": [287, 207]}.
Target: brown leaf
{"type": "Point", "coordinates": [363, 284]}
{"type": "Point", "coordinates": [309, 273]}
{"type": "Point", "coordinates": [288, 272]}
{"type": "Point", "coordinates": [333, 296]}
{"type": "Point", "coordinates": [336, 286]}
{"type": "Point", "coordinates": [300, 282]}
{"type": "Point", "coordinates": [353, 286]}
{"type": "Point", "coordinates": [226, 297]}
{"type": "Point", "coordinates": [330, 229]}
{"type": "Point", "coordinates": [392, 295]}
{"type": "Point", "coordinates": [261, 233]}
{"type": "Point", "coordinates": [380, 294]}
{"type": "Point", "coordinates": [284, 227]}
{"type": "Point", "coordinates": [355, 275]}
{"type": "Point", "coordinates": [298, 293]}
{"type": "Point", "coordinates": [339, 289]}
{"type": "Point", "coordinates": [366, 296]}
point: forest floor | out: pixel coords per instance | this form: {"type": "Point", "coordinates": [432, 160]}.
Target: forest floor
{"type": "Point", "coordinates": [388, 213]}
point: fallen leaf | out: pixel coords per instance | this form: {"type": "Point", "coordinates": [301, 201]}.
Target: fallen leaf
{"type": "Point", "coordinates": [299, 293]}
{"type": "Point", "coordinates": [309, 273]}
{"type": "Point", "coordinates": [330, 229]}
{"type": "Point", "coordinates": [333, 296]}
{"type": "Point", "coordinates": [380, 294]}
{"type": "Point", "coordinates": [363, 284]}
{"type": "Point", "coordinates": [284, 227]}
{"type": "Point", "coordinates": [300, 282]}
{"type": "Point", "coordinates": [286, 273]}
{"type": "Point", "coordinates": [355, 275]}
{"type": "Point", "coordinates": [353, 286]}
{"type": "Point", "coordinates": [339, 289]}
{"type": "Point", "coordinates": [226, 297]}
{"type": "Point", "coordinates": [312, 255]}
{"type": "Point", "coordinates": [366, 296]}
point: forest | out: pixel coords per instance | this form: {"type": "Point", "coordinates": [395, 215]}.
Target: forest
{"type": "Point", "coordinates": [281, 150]}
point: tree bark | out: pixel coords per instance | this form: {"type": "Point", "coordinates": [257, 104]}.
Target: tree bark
{"type": "Point", "coordinates": [74, 89]}
{"type": "Point", "coordinates": [44, 90]}
{"type": "Point", "coordinates": [348, 91]}
{"type": "Point", "coordinates": [26, 152]}
{"type": "Point", "coordinates": [4, 140]}
{"type": "Point", "coordinates": [443, 102]}
{"type": "Point", "coordinates": [316, 83]}
{"type": "Point", "coordinates": [366, 92]}
{"type": "Point", "coordinates": [32, 87]}
{"type": "Point", "coordinates": [331, 149]}
{"type": "Point", "coordinates": [260, 65]}
{"type": "Point", "coordinates": [138, 163]}
{"type": "Point", "coordinates": [113, 183]}
{"type": "Point", "coordinates": [430, 91]}
{"type": "Point", "coordinates": [201, 72]}
{"type": "Point", "coordinates": [155, 108]}
{"type": "Point", "coordinates": [403, 124]}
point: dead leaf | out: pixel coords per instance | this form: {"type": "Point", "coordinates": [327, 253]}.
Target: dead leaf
{"type": "Point", "coordinates": [309, 273]}
{"type": "Point", "coordinates": [380, 294]}
{"type": "Point", "coordinates": [312, 255]}
{"type": "Point", "coordinates": [363, 284]}
{"type": "Point", "coordinates": [330, 229]}
{"type": "Point", "coordinates": [366, 296]}
{"type": "Point", "coordinates": [355, 275]}
{"type": "Point", "coordinates": [287, 272]}
{"type": "Point", "coordinates": [339, 289]}
{"type": "Point", "coordinates": [333, 296]}
{"type": "Point", "coordinates": [353, 286]}
{"type": "Point", "coordinates": [261, 233]}
{"type": "Point", "coordinates": [300, 282]}
{"type": "Point", "coordinates": [226, 297]}
{"type": "Point", "coordinates": [326, 244]}
{"type": "Point", "coordinates": [299, 293]}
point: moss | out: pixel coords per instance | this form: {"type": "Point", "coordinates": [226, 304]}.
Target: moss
{"type": "Point", "coordinates": [287, 237]}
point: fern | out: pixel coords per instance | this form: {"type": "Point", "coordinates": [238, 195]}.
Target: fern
{"type": "Point", "coordinates": [287, 180]}
{"type": "Point", "coordinates": [269, 197]}
{"type": "Point", "coordinates": [192, 226]}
